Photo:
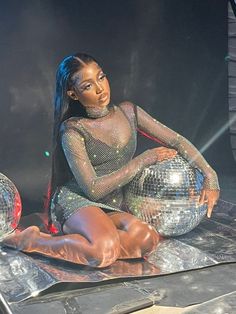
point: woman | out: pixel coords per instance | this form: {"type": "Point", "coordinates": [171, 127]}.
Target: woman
{"type": "Point", "coordinates": [94, 144]}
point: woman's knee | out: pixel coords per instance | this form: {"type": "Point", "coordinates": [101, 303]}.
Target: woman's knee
{"type": "Point", "coordinates": [144, 235]}
{"type": "Point", "coordinates": [106, 250]}
{"type": "Point", "coordinates": [100, 233]}
{"type": "Point", "coordinates": [150, 239]}
{"type": "Point", "coordinates": [140, 234]}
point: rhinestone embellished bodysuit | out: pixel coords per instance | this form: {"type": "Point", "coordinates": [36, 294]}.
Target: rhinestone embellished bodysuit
{"type": "Point", "coordinates": [100, 154]}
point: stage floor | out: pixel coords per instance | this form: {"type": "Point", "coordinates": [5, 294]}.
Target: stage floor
{"type": "Point", "coordinates": [210, 289]}
{"type": "Point", "coordinates": [194, 273]}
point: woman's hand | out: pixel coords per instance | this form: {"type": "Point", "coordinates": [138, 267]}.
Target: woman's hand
{"type": "Point", "coordinates": [164, 153]}
{"type": "Point", "coordinates": [210, 197]}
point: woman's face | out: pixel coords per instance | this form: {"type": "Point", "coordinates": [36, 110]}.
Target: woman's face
{"type": "Point", "coordinates": [91, 87]}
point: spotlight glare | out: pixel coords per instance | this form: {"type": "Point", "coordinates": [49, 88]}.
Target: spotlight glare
{"type": "Point", "coordinates": [35, 293]}
{"type": "Point", "coordinates": [175, 178]}
{"type": "Point", "coordinates": [218, 134]}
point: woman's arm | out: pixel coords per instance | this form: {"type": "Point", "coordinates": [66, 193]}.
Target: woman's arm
{"type": "Point", "coordinates": [152, 127]}
{"type": "Point", "coordinates": [97, 187]}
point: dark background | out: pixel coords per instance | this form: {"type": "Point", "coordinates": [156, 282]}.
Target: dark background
{"type": "Point", "coordinates": [168, 56]}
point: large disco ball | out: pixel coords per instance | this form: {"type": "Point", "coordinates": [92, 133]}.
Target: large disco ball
{"type": "Point", "coordinates": [166, 195]}
{"type": "Point", "coordinates": [10, 206]}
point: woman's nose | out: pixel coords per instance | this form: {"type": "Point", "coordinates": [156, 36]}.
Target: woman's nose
{"type": "Point", "coordinates": [99, 88]}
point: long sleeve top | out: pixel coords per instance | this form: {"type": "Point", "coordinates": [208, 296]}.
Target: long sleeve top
{"type": "Point", "coordinates": [100, 151]}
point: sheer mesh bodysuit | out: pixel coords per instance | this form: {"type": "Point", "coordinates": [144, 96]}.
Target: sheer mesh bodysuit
{"type": "Point", "coordinates": [100, 154]}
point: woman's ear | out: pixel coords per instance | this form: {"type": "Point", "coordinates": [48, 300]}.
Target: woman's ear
{"type": "Point", "coordinates": [72, 94]}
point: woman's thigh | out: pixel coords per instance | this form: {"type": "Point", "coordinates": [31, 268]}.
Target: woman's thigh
{"type": "Point", "coordinates": [92, 223]}
{"type": "Point", "coordinates": [125, 221]}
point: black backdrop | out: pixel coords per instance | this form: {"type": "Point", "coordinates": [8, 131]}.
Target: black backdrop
{"type": "Point", "coordinates": [168, 56]}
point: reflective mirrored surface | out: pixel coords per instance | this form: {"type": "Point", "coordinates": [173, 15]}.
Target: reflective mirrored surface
{"type": "Point", "coordinates": [212, 242]}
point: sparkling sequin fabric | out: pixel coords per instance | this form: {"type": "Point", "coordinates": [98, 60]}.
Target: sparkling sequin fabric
{"type": "Point", "coordinates": [100, 155]}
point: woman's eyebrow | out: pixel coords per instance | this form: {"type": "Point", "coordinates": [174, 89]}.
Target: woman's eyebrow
{"type": "Point", "coordinates": [89, 79]}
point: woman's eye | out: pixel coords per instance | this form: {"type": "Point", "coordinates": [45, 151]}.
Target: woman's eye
{"type": "Point", "coordinates": [87, 87]}
{"type": "Point", "coordinates": [102, 76]}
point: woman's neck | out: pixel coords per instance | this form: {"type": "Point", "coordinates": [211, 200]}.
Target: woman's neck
{"type": "Point", "coordinates": [95, 112]}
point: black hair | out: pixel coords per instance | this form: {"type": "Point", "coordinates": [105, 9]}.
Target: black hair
{"type": "Point", "coordinates": [64, 108]}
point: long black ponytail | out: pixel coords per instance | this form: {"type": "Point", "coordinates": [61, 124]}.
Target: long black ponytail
{"type": "Point", "coordinates": [64, 108]}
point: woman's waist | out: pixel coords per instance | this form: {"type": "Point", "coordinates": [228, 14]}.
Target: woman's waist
{"type": "Point", "coordinates": [71, 187]}
{"type": "Point", "coordinates": [111, 165]}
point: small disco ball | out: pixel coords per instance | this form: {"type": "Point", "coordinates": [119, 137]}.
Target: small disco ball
{"type": "Point", "coordinates": [10, 206]}
{"type": "Point", "coordinates": [166, 195]}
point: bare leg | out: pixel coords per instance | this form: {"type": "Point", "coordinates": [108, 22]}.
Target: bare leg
{"type": "Point", "coordinates": [137, 238]}
{"type": "Point", "coordinates": [91, 239]}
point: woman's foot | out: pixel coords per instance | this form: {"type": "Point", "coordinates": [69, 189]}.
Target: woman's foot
{"type": "Point", "coordinates": [22, 240]}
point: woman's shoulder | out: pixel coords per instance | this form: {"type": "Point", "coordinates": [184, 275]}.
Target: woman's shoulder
{"type": "Point", "coordinates": [128, 107]}
{"type": "Point", "coordinates": [126, 104]}
{"type": "Point", "coordinates": [72, 123]}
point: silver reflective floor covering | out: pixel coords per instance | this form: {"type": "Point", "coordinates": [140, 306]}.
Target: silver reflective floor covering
{"type": "Point", "coordinates": [212, 242]}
